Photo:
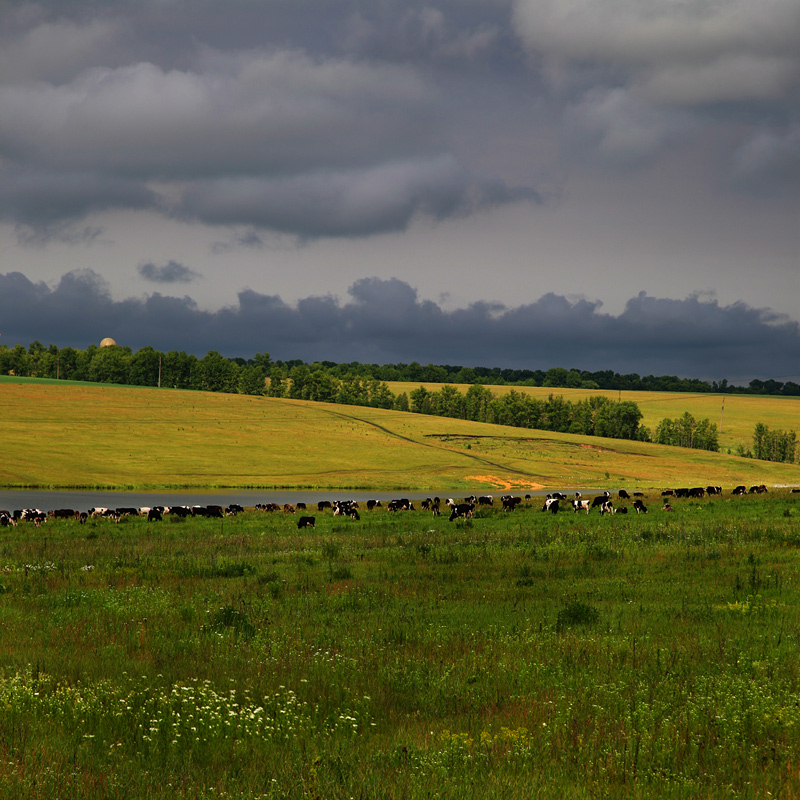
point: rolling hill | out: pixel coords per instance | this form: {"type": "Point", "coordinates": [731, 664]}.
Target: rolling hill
{"type": "Point", "coordinates": [100, 436]}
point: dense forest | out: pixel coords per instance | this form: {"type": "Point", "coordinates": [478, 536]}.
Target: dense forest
{"type": "Point", "coordinates": [365, 385]}
{"type": "Point", "coordinates": [181, 370]}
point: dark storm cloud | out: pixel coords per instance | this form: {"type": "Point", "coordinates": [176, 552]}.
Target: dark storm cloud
{"type": "Point", "coordinates": [171, 272]}
{"type": "Point", "coordinates": [348, 117]}
{"type": "Point", "coordinates": [353, 203]}
{"type": "Point", "coordinates": [43, 202]}
{"type": "Point", "coordinates": [281, 131]}
{"type": "Point", "coordinates": [385, 321]}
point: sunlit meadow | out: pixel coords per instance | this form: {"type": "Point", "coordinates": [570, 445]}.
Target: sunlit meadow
{"type": "Point", "coordinates": [518, 654]}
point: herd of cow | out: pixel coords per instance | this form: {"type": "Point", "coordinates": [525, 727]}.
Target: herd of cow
{"type": "Point", "coordinates": [459, 509]}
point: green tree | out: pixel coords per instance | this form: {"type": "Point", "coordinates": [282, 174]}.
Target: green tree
{"type": "Point", "coordinates": [420, 401]}
{"type": "Point", "coordinates": [215, 373]}
{"type": "Point", "coordinates": [476, 402]}
{"type": "Point", "coordinates": [401, 402]}
{"type": "Point", "coordinates": [449, 402]}
{"type": "Point", "coordinates": [110, 365]}
{"type": "Point", "coordinates": [144, 367]}
{"type": "Point", "coordinates": [277, 382]}
{"type": "Point", "coordinates": [251, 380]}
{"type": "Point", "coordinates": [380, 396]}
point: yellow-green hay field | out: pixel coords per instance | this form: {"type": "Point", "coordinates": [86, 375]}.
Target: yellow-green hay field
{"type": "Point", "coordinates": [99, 436]}
{"type": "Point", "coordinates": [735, 421]}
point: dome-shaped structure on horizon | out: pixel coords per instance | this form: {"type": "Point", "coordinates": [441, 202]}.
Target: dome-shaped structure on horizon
{"type": "Point", "coordinates": [107, 342]}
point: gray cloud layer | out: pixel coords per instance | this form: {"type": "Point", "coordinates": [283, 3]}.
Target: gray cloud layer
{"type": "Point", "coordinates": [349, 118]}
{"type": "Point", "coordinates": [385, 321]}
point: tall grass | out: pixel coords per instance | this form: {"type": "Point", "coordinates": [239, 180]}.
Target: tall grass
{"type": "Point", "coordinates": [512, 655]}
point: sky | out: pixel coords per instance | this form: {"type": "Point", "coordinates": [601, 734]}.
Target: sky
{"type": "Point", "coordinates": [592, 184]}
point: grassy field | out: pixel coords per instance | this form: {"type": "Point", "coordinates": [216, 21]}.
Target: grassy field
{"type": "Point", "coordinates": [514, 655]}
{"type": "Point", "coordinates": [96, 436]}
{"type": "Point", "coordinates": [735, 421]}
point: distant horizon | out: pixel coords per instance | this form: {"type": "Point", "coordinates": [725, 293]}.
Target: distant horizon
{"type": "Point", "coordinates": [525, 183]}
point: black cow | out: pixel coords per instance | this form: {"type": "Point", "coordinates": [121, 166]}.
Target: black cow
{"type": "Point", "coordinates": [640, 507]}
{"type": "Point", "coordinates": [551, 504]}
{"type": "Point", "coordinates": [306, 522]}
{"type": "Point", "coordinates": [740, 490]}
{"type": "Point", "coordinates": [154, 515]}
{"type": "Point", "coordinates": [624, 495]}
{"type": "Point", "coordinates": [461, 510]}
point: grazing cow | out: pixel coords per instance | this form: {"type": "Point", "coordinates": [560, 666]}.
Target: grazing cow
{"type": "Point", "coordinates": [6, 520]}
{"type": "Point", "coordinates": [373, 504]}
{"type": "Point", "coordinates": [300, 506]}
{"type": "Point", "coordinates": [401, 504]}
{"type": "Point", "coordinates": [288, 508]}
{"type": "Point", "coordinates": [638, 494]}
{"type": "Point", "coordinates": [509, 502]}
{"type": "Point", "coordinates": [640, 507]}
{"type": "Point", "coordinates": [760, 489]}
{"type": "Point", "coordinates": [681, 493]}
{"type": "Point", "coordinates": [462, 510]}
{"type": "Point", "coordinates": [83, 517]}
{"type": "Point", "coordinates": [697, 491]}
{"type": "Point", "coordinates": [713, 490]}
{"type": "Point", "coordinates": [623, 495]}
{"type": "Point", "coordinates": [599, 500]}
{"type": "Point", "coordinates": [345, 508]}
{"type": "Point", "coordinates": [233, 509]}
{"type": "Point", "coordinates": [581, 505]}
{"type": "Point", "coordinates": [559, 496]}
{"type": "Point", "coordinates": [623, 510]}
{"type": "Point", "coordinates": [99, 511]}
{"type": "Point", "coordinates": [323, 504]}
{"type": "Point", "coordinates": [207, 511]}
{"type": "Point", "coordinates": [668, 507]}
{"type": "Point", "coordinates": [486, 500]}
{"type": "Point", "coordinates": [435, 509]}
{"type": "Point", "coordinates": [668, 493]}
{"type": "Point", "coordinates": [551, 504]}
{"type": "Point", "coordinates": [179, 511]}
{"type": "Point", "coordinates": [607, 508]}
{"type": "Point", "coordinates": [740, 490]}
{"type": "Point", "coordinates": [154, 515]}
{"type": "Point", "coordinates": [64, 513]}
{"type": "Point", "coordinates": [306, 522]}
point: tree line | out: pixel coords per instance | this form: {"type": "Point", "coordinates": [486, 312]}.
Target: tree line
{"type": "Point", "coordinates": [119, 364]}
{"type": "Point", "coordinates": [772, 445]}
{"type": "Point", "coordinates": [358, 384]}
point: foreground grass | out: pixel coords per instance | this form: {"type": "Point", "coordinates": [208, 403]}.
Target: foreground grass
{"type": "Point", "coordinates": [88, 435]}
{"type": "Point", "coordinates": [516, 655]}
